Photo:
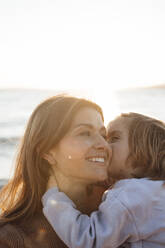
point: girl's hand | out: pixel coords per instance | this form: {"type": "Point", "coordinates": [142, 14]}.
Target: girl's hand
{"type": "Point", "coordinates": [51, 182]}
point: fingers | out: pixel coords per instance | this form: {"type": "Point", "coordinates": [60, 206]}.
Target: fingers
{"type": "Point", "coordinates": [52, 182]}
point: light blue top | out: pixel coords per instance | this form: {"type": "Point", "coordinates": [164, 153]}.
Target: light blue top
{"type": "Point", "coordinates": [132, 212]}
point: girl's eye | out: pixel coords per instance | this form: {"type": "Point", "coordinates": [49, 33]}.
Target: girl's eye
{"type": "Point", "coordinates": [112, 139]}
{"type": "Point", "coordinates": [85, 133]}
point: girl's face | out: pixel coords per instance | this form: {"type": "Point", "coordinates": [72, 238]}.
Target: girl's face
{"type": "Point", "coordinates": [118, 140]}
{"type": "Point", "coordinates": [83, 153]}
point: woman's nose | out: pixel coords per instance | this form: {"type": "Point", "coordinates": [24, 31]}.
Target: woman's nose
{"type": "Point", "coordinates": [102, 144]}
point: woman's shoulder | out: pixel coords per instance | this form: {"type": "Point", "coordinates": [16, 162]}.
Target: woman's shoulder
{"type": "Point", "coordinates": [34, 232]}
{"type": "Point", "coordinates": [10, 236]}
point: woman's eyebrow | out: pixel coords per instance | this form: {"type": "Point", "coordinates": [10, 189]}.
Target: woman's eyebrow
{"type": "Point", "coordinates": [88, 125]}
{"type": "Point", "coordinates": [83, 124]}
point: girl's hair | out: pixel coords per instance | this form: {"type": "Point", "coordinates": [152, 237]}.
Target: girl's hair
{"type": "Point", "coordinates": [50, 121]}
{"type": "Point", "coordinates": [146, 141]}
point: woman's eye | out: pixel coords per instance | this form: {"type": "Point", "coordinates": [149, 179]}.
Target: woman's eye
{"type": "Point", "coordinates": [85, 133]}
{"type": "Point", "coordinates": [112, 139]}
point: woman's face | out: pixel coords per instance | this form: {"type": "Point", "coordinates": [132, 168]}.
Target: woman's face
{"type": "Point", "coordinates": [118, 140]}
{"type": "Point", "coordinates": [83, 153]}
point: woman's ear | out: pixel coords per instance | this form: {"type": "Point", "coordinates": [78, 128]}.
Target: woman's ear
{"type": "Point", "coordinates": [50, 157]}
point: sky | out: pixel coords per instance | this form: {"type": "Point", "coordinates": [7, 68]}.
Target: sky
{"type": "Point", "coordinates": [82, 44]}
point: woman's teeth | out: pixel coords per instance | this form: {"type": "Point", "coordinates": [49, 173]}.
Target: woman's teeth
{"type": "Point", "coordinates": [100, 160]}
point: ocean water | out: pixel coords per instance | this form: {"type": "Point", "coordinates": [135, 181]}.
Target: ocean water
{"type": "Point", "coordinates": [16, 107]}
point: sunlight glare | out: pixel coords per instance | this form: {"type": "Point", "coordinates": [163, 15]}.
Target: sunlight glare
{"type": "Point", "coordinates": [105, 97]}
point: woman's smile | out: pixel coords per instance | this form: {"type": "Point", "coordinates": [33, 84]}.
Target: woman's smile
{"type": "Point", "coordinates": [99, 159]}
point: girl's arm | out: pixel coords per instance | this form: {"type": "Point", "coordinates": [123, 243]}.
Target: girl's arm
{"type": "Point", "coordinates": [110, 226]}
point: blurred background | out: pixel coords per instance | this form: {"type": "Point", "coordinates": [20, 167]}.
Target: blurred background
{"type": "Point", "coordinates": [109, 51]}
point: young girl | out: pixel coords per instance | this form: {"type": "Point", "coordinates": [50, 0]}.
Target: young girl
{"type": "Point", "coordinates": [132, 212]}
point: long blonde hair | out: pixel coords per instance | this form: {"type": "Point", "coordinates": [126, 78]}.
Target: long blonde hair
{"type": "Point", "coordinates": [21, 197]}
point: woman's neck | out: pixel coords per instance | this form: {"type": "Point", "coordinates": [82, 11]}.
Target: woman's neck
{"type": "Point", "coordinates": [86, 197]}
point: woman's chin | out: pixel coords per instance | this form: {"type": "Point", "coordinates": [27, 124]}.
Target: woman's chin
{"type": "Point", "coordinates": [104, 184]}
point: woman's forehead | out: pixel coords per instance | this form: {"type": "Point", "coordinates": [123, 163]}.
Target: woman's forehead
{"type": "Point", "coordinates": [88, 115]}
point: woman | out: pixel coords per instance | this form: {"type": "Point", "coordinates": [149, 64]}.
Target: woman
{"type": "Point", "coordinates": [65, 135]}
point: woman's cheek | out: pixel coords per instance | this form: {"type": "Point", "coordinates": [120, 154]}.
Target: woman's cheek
{"type": "Point", "coordinates": [78, 150]}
